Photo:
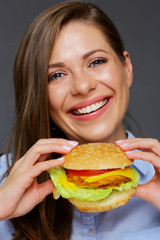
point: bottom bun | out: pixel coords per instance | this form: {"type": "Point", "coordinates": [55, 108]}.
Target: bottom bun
{"type": "Point", "coordinates": [114, 200]}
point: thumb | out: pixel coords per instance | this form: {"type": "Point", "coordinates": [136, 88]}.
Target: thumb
{"type": "Point", "coordinates": [143, 193]}
{"type": "Point", "coordinates": [45, 189]}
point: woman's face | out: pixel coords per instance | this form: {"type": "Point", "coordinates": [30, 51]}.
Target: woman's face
{"type": "Point", "coordinates": [88, 85]}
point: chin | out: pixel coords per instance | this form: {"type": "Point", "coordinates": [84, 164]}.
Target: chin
{"type": "Point", "coordinates": [99, 134]}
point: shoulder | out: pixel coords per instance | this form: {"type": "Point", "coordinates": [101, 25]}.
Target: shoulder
{"type": "Point", "coordinates": [3, 165]}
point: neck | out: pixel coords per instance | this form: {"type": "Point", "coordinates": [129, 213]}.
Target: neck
{"type": "Point", "coordinates": [118, 134]}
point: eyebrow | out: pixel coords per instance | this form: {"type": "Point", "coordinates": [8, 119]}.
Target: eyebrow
{"type": "Point", "coordinates": [86, 55]}
{"type": "Point", "coordinates": [58, 64]}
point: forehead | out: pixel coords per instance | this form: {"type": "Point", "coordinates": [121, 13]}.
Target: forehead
{"type": "Point", "coordinates": [77, 37]}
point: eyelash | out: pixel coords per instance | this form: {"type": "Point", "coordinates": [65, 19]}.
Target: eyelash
{"type": "Point", "coordinates": [94, 63]}
{"type": "Point", "coordinates": [98, 61]}
{"type": "Point", "coordinates": [52, 76]}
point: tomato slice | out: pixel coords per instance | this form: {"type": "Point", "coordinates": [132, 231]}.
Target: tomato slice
{"type": "Point", "coordinates": [87, 173]}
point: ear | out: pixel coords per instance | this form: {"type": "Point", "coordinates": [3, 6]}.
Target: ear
{"type": "Point", "coordinates": [128, 68]}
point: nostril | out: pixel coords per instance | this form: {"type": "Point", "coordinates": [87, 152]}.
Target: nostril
{"type": "Point", "coordinates": [83, 86]}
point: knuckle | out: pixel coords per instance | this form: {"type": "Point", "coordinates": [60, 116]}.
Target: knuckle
{"type": "Point", "coordinates": [36, 148]}
{"type": "Point", "coordinates": [154, 142]}
{"type": "Point", "coordinates": [40, 141]}
{"type": "Point", "coordinates": [40, 166]}
{"type": "Point", "coordinates": [17, 163]}
{"type": "Point", "coordinates": [151, 142]}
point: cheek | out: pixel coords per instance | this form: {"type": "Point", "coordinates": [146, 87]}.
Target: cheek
{"type": "Point", "coordinates": [114, 79]}
{"type": "Point", "coordinates": [55, 98]}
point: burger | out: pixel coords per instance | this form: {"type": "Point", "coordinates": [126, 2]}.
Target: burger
{"type": "Point", "coordinates": [95, 177]}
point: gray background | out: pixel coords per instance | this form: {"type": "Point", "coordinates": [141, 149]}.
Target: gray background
{"type": "Point", "coordinates": [138, 22]}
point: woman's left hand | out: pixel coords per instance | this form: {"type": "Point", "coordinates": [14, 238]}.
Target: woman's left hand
{"type": "Point", "coordinates": [149, 151]}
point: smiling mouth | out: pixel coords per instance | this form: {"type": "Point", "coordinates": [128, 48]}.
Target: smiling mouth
{"type": "Point", "coordinates": [91, 108]}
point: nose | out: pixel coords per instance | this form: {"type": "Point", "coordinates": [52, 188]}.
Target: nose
{"type": "Point", "coordinates": [82, 84]}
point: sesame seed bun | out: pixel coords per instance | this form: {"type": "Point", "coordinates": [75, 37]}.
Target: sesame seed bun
{"type": "Point", "coordinates": [96, 156]}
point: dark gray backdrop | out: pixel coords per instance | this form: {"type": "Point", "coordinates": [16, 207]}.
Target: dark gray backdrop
{"type": "Point", "coordinates": [138, 22]}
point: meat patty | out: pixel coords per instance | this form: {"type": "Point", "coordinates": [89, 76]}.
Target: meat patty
{"type": "Point", "coordinates": [111, 181]}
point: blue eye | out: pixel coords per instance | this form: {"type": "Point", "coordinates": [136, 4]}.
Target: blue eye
{"type": "Point", "coordinates": [55, 76]}
{"type": "Point", "coordinates": [98, 62]}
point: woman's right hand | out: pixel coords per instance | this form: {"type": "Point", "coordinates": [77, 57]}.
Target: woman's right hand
{"type": "Point", "coordinates": [20, 193]}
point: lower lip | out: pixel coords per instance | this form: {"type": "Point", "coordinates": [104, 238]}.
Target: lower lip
{"type": "Point", "coordinates": [92, 115]}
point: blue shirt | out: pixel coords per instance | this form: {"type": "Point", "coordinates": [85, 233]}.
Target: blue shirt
{"type": "Point", "coordinates": [137, 220]}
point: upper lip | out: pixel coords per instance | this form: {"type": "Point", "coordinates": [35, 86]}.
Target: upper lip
{"type": "Point", "coordinates": [87, 103]}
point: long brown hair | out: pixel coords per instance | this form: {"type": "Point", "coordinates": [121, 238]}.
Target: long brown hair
{"type": "Point", "coordinates": [50, 219]}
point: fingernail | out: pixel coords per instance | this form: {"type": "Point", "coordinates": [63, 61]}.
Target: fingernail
{"type": "Point", "coordinates": [119, 141]}
{"type": "Point", "coordinates": [60, 159]}
{"type": "Point", "coordinates": [128, 152]}
{"type": "Point", "coordinates": [124, 145]}
{"type": "Point", "coordinates": [73, 143]}
{"type": "Point", "coordinates": [66, 147]}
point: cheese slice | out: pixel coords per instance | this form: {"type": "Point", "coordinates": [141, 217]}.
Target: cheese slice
{"type": "Point", "coordinates": [127, 172]}
{"type": "Point", "coordinates": [63, 181]}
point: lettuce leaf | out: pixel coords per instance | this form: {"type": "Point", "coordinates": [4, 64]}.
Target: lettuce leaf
{"type": "Point", "coordinates": [70, 190]}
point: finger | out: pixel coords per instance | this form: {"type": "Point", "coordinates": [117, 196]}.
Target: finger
{"type": "Point", "coordinates": [40, 167]}
{"type": "Point", "coordinates": [43, 157]}
{"type": "Point", "coordinates": [67, 145]}
{"type": "Point", "coordinates": [57, 141]}
{"type": "Point", "coordinates": [146, 156]}
{"type": "Point", "coordinates": [141, 192]}
{"type": "Point", "coordinates": [39, 149]}
{"type": "Point", "coordinates": [26, 179]}
{"type": "Point", "coordinates": [45, 189]}
{"type": "Point", "coordinates": [34, 195]}
{"type": "Point", "coordinates": [141, 144]}
{"type": "Point", "coordinates": [144, 192]}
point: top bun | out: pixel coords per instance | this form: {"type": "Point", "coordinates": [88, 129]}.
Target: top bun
{"type": "Point", "coordinates": [93, 156]}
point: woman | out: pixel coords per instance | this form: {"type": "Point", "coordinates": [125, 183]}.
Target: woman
{"type": "Point", "coordinates": [72, 77]}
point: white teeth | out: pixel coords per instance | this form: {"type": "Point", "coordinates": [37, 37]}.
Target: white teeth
{"type": "Point", "coordinates": [80, 111]}
{"type": "Point", "coordinates": [90, 108]}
